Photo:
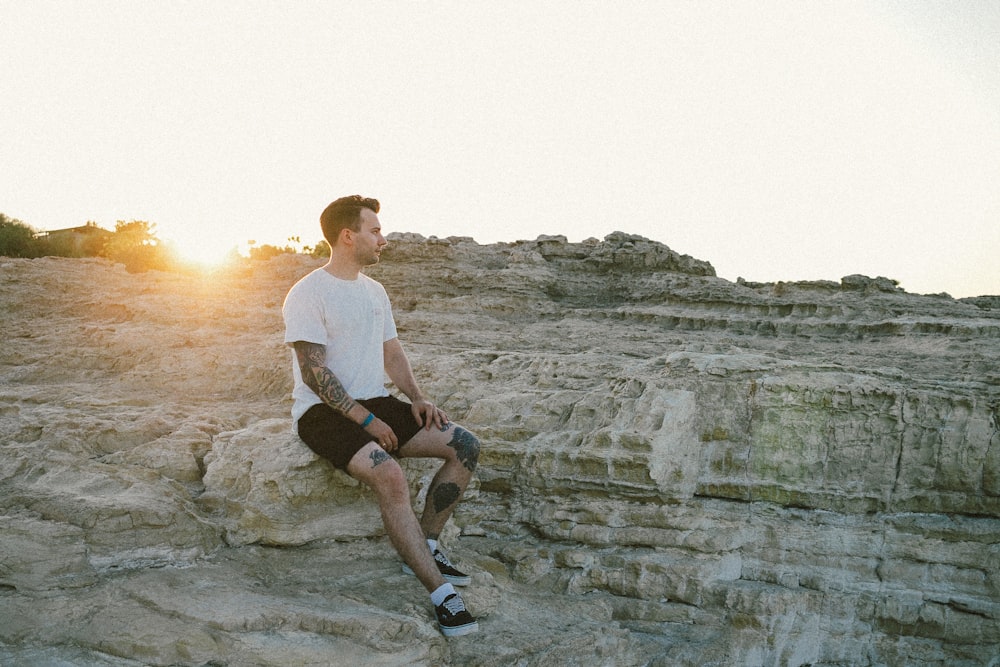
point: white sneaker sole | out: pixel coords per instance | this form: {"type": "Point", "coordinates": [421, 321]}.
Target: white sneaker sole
{"type": "Point", "coordinates": [469, 628]}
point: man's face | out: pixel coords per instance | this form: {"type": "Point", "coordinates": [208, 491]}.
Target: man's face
{"type": "Point", "coordinates": [368, 242]}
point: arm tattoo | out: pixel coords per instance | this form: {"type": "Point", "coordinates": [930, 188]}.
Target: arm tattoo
{"type": "Point", "coordinates": [319, 378]}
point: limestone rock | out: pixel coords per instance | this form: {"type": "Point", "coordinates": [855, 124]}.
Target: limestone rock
{"type": "Point", "coordinates": [677, 469]}
{"type": "Point", "coordinates": [37, 555]}
{"type": "Point", "coordinates": [270, 488]}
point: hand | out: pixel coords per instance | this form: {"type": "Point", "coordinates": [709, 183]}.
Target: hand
{"type": "Point", "coordinates": [383, 434]}
{"type": "Point", "coordinates": [426, 414]}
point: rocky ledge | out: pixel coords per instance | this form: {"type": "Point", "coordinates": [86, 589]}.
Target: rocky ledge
{"type": "Point", "coordinates": [678, 469]}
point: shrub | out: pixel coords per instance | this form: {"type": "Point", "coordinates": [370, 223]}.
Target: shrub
{"type": "Point", "coordinates": [17, 239]}
{"type": "Point", "coordinates": [135, 245]}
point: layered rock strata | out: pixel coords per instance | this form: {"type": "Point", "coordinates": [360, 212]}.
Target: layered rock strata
{"type": "Point", "coordinates": [678, 469]}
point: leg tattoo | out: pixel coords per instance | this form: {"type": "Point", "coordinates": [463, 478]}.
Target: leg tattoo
{"type": "Point", "coordinates": [445, 496]}
{"type": "Point", "coordinates": [378, 456]}
{"type": "Point", "coordinates": [466, 445]}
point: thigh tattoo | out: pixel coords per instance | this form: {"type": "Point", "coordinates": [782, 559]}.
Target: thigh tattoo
{"type": "Point", "coordinates": [466, 445]}
{"type": "Point", "coordinates": [378, 456]}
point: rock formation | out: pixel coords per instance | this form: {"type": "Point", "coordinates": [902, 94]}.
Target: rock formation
{"type": "Point", "coordinates": [677, 469]}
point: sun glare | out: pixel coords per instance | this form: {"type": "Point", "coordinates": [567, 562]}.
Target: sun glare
{"type": "Point", "coordinates": [203, 251]}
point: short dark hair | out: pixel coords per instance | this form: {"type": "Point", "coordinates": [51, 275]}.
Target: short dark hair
{"type": "Point", "coordinates": [344, 213]}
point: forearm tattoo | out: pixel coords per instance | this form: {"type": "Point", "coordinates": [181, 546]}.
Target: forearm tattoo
{"type": "Point", "coordinates": [466, 446]}
{"type": "Point", "coordinates": [319, 378]}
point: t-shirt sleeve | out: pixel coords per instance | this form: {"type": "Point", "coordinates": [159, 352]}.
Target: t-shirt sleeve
{"type": "Point", "coordinates": [303, 317]}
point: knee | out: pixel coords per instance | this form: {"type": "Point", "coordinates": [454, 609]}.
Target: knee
{"type": "Point", "coordinates": [393, 487]}
{"type": "Point", "coordinates": [387, 480]}
{"type": "Point", "coordinates": [466, 446]}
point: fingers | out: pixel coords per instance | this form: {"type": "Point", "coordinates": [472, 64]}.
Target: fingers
{"type": "Point", "coordinates": [428, 417]}
{"type": "Point", "coordinates": [388, 440]}
{"type": "Point", "coordinates": [432, 416]}
{"type": "Point", "coordinates": [390, 443]}
{"type": "Point", "coordinates": [383, 434]}
{"type": "Point", "coordinates": [440, 418]}
{"type": "Point", "coordinates": [422, 412]}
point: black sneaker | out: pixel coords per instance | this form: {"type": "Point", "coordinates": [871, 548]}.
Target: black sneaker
{"type": "Point", "coordinates": [448, 571]}
{"type": "Point", "coordinates": [453, 618]}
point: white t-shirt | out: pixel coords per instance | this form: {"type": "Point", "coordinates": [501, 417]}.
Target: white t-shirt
{"type": "Point", "coordinates": [352, 318]}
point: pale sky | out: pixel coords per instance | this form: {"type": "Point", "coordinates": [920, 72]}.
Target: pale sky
{"type": "Point", "coordinates": [776, 140]}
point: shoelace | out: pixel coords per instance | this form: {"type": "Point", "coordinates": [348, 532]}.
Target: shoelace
{"type": "Point", "coordinates": [441, 558]}
{"type": "Point", "coordinates": [454, 605]}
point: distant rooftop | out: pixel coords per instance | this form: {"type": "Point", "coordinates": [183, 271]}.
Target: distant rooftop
{"type": "Point", "coordinates": [89, 228]}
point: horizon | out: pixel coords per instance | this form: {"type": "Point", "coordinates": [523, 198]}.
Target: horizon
{"type": "Point", "coordinates": [227, 261]}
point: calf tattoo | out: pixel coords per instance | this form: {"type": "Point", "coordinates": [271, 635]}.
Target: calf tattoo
{"type": "Point", "coordinates": [445, 495]}
{"type": "Point", "coordinates": [466, 446]}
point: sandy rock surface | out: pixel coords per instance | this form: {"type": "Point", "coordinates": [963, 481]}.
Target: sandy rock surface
{"type": "Point", "coordinates": [677, 469]}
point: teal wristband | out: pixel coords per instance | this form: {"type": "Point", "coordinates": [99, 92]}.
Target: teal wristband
{"type": "Point", "coordinates": [368, 420]}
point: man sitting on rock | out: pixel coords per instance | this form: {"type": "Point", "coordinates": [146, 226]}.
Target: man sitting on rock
{"type": "Point", "coordinates": [339, 323]}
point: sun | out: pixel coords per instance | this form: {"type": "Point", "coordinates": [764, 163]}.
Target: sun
{"type": "Point", "coordinates": [204, 250]}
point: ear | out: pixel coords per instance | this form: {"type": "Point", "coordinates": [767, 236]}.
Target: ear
{"type": "Point", "coordinates": [345, 236]}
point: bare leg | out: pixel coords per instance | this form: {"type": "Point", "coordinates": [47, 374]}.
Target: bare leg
{"type": "Point", "coordinates": [380, 472]}
{"type": "Point", "coordinates": [459, 449]}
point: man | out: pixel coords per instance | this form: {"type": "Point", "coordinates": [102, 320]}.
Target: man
{"type": "Point", "coordinates": [339, 324]}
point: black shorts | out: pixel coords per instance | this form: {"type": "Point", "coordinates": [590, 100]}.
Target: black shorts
{"type": "Point", "coordinates": [337, 438]}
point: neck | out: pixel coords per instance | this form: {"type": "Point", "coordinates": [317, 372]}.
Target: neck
{"type": "Point", "coordinates": [341, 268]}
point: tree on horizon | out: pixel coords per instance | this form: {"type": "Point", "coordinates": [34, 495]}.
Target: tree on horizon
{"type": "Point", "coordinates": [135, 245]}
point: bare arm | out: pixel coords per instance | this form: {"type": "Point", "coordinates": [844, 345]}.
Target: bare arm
{"type": "Point", "coordinates": [319, 378]}
{"type": "Point", "coordinates": [397, 367]}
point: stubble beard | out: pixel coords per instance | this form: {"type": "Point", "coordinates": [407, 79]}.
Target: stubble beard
{"type": "Point", "coordinates": [369, 258]}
